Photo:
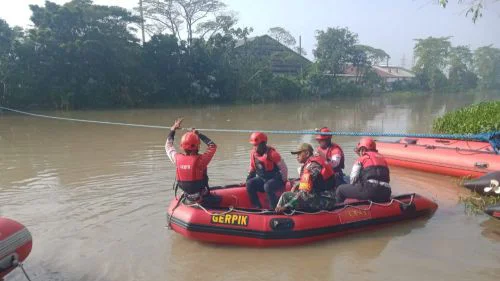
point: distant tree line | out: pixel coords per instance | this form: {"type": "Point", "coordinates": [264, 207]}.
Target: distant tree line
{"type": "Point", "coordinates": [442, 67]}
{"type": "Point", "coordinates": [80, 55]}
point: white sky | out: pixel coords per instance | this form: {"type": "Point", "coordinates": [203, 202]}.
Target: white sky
{"type": "Point", "coordinates": [388, 24]}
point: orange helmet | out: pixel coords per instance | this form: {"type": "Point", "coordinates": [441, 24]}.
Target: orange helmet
{"type": "Point", "coordinates": [258, 138]}
{"type": "Point", "coordinates": [367, 143]}
{"type": "Point", "coordinates": [324, 137]}
{"type": "Point", "coordinates": [190, 141]}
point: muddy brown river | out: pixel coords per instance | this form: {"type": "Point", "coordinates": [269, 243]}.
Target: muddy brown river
{"type": "Point", "coordinates": [94, 197]}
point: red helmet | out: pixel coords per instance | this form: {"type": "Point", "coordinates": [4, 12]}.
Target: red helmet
{"type": "Point", "coordinates": [324, 137]}
{"type": "Point", "coordinates": [190, 141]}
{"type": "Point", "coordinates": [258, 138]}
{"type": "Point", "coordinates": [367, 143]}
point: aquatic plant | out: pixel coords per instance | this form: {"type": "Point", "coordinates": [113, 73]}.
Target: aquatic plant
{"type": "Point", "coordinates": [476, 203]}
{"type": "Point", "coordinates": [473, 119]}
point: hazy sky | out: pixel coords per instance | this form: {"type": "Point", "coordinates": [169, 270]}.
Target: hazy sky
{"type": "Point", "coordinates": [388, 24]}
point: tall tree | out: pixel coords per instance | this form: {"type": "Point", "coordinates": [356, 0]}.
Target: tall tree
{"type": "Point", "coordinates": [431, 59]}
{"type": "Point", "coordinates": [86, 53]}
{"type": "Point", "coordinates": [460, 73]}
{"type": "Point", "coordinates": [487, 64]}
{"type": "Point", "coordinates": [6, 38]}
{"type": "Point", "coordinates": [282, 35]}
{"type": "Point", "coordinates": [431, 52]}
{"type": "Point", "coordinates": [335, 49]}
{"type": "Point", "coordinates": [374, 55]}
{"type": "Point", "coordinates": [172, 15]}
{"type": "Point", "coordinates": [222, 23]}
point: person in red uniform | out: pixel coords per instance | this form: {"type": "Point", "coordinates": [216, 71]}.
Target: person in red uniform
{"type": "Point", "coordinates": [268, 172]}
{"type": "Point", "coordinates": [191, 167]}
{"type": "Point", "coordinates": [369, 176]}
{"type": "Point", "coordinates": [332, 153]}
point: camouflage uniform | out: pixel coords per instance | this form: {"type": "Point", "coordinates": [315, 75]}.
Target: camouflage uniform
{"type": "Point", "coordinates": [309, 201]}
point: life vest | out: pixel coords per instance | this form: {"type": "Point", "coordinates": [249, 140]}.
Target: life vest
{"type": "Point", "coordinates": [324, 183]}
{"type": "Point", "coordinates": [191, 176]}
{"type": "Point", "coordinates": [264, 165]}
{"type": "Point", "coordinates": [374, 167]}
{"type": "Point", "coordinates": [306, 181]}
{"type": "Point", "coordinates": [326, 169]}
{"type": "Point", "coordinates": [329, 152]}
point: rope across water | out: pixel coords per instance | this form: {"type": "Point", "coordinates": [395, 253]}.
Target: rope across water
{"type": "Point", "coordinates": [492, 137]}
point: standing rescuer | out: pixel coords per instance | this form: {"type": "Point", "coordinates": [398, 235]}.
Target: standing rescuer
{"type": "Point", "coordinates": [268, 172]}
{"type": "Point", "coordinates": [191, 167]}
{"type": "Point", "coordinates": [369, 175]}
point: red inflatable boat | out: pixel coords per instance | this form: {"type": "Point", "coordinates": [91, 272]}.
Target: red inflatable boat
{"type": "Point", "coordinates": [15, 245]}
{"type": "Point", "coordinates": [442, 156]}
{"type": "Point", "coordinates": [232, 222]}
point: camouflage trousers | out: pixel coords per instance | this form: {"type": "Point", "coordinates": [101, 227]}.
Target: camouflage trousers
{"type": "Point", "coordinates": [305, 201]}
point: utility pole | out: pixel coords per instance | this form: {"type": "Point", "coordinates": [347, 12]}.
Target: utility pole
{"type": "Point", "coordinates": [300, 53]}
{"type": "Point", "coordinates": [142, 22]}
{"type": "Point", "coordinates": [300, 44]}
{"type": "Point", "coordinates": [403, 61]}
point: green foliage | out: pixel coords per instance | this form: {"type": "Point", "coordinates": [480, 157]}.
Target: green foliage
{"type": "Point", "coordinates": [474, 119]}
{"type": "Point", "coordinates": [460, 75]}
{"type": "Point", "coordinates": [335, 49]}
{"type": "Point", "coordinates": [81, 55]}
{"type": "Point", "coordinates": [374, 55]}
{"type": "Point", "coordinates": [282, 35]}
{"type": "Point", "coordinates": [431, 54]}
{"type": "Point", "coordinates": [474, 7]}
{"type": "Point", "coordinates": [487, 63]}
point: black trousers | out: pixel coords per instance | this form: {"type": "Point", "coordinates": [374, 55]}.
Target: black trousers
{"type": "Point", "coordinates": [366, 191]}
{"type": "Point", "coordinates": [270, 187]}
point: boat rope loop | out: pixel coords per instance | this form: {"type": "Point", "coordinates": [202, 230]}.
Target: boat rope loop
{"type": "Point", "coordinates": [293, 212]}
{"type": "Point", "coordinates": [492, 137]}
{"type": "Point", "coordinates": [16, 263]}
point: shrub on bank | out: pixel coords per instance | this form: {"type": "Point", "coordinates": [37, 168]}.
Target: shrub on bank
{"type": "Point", "coordinates": [473, 119]}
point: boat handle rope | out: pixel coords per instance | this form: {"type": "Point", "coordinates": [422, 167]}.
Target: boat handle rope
{"type": "Point", "coordinates": [492, 137]}
{"type": "Point", "coordinates": [16, 263]}
{"type": "Point", "coordinates": [293, 212]}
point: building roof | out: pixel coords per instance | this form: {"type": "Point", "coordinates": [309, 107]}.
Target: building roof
{"type": "Point", "coordinates": [242, 42]}
{"type": "Point", "coordinates": [393, 72]}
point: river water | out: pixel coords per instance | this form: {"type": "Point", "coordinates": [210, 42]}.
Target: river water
{"type": "Point", "coordinates": [94, 197]}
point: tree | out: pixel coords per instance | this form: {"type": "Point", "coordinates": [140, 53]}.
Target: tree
{"type": "Point", "coordinates": [222, 23]}
{"type": "Point", "coordinates": [282, 35]}
{"type": "Point", "coordinates": [374, 55]}
{"type": "Point", "coordinates": [6, 38]}
{"type": "Point", "coordinates": [460, 72]}
{"type": "Point", "coordinates": [335, 49]}
{"type": "Point", "coordinates": [487, 64]}
{"type": "Point", "coordinates": [431, 59]}
{"type": "Point", "coordinates": [431, 53]}
{"type": "Point", "coordinates": [173, 14]}
{"type": "Point", "coordinates": [86, 54]}
{"type": "Point", "coordinates": [474, 7]}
